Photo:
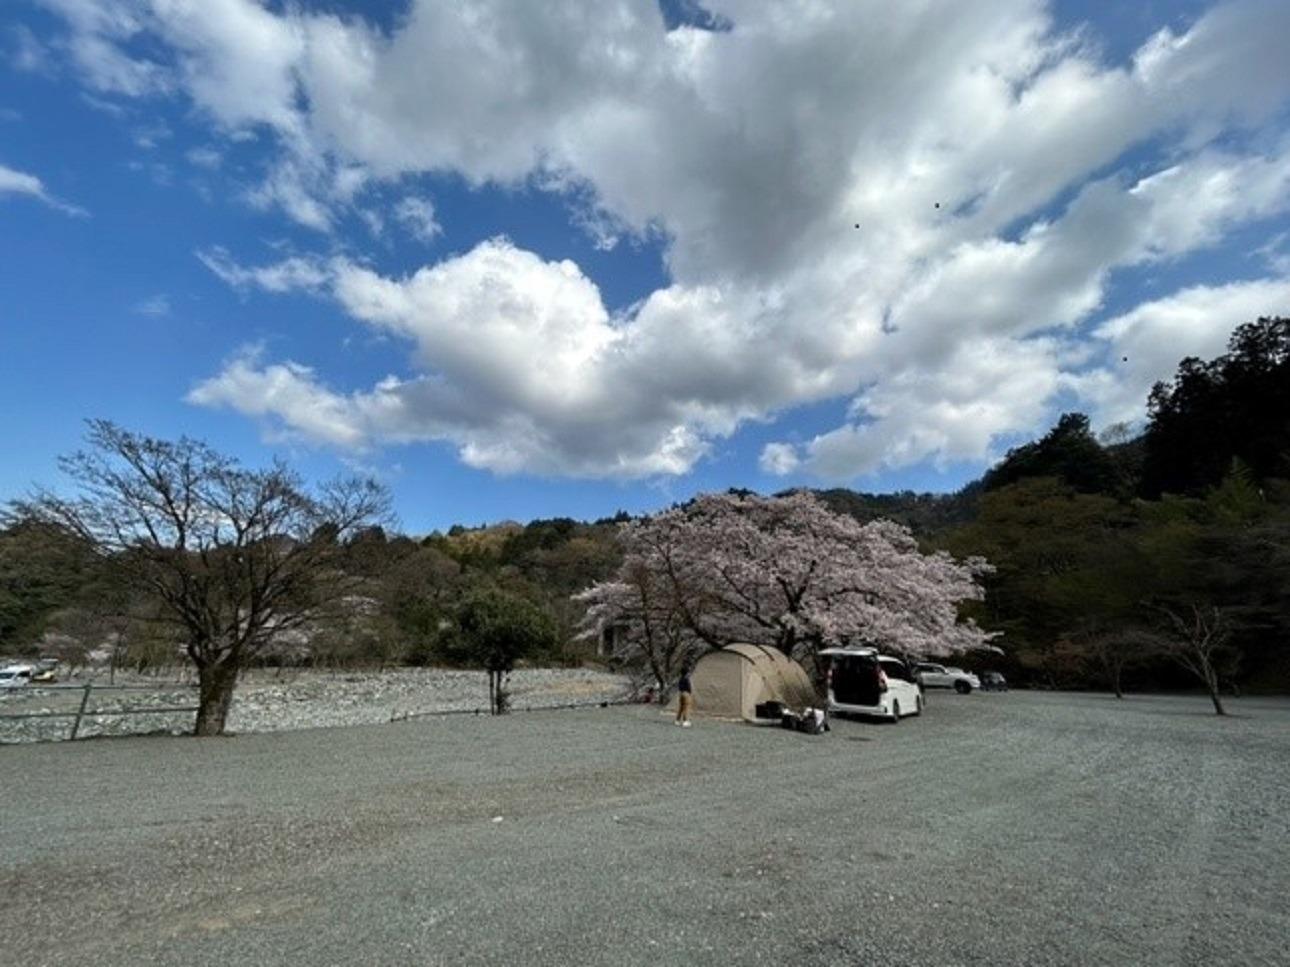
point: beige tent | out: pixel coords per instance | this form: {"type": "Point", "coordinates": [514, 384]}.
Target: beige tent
{"type": "Point", "coordinates": [732, 681]}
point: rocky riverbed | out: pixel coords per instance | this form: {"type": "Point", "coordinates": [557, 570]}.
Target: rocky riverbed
{"type": "Point", "coordinates": [269, 701]}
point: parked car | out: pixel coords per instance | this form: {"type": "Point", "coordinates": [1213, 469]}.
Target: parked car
{"type": "Point", "coordinates": [15, 676]}
{"type": "Point", "coordinates": [863, 682]}
{"type": "Point", "coordinates": [946, 676]}
{"type": "Point", "coordinates": [993, 682]}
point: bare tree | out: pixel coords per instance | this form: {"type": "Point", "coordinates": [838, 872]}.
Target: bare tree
{"type": "Point", "coordinates": [1197, 640]}
{"type": "Point", "coordinates": [1113, 650]}
{"type": "Point", "coordinates": [234, 556]}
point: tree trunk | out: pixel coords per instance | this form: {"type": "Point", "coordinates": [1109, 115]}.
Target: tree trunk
{"type": "Point", "coordinates": [1115, 683]}
{"type": "Point", "coordinates": [1218, 702]}
{"type": "Point", "coordinates": [1211, 683]}
{"type": "Point", "coordinates": [215, 694]}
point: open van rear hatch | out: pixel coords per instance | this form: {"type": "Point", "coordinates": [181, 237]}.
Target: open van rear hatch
{"type": "Point", "coordinates": [855, 676]}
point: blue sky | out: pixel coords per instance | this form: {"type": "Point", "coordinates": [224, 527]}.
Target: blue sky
{"type": "Point", "coordinates": [522, 263]}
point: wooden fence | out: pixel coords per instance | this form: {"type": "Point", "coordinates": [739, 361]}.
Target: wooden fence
{"type": "Point", "coordinates": [83, 710]}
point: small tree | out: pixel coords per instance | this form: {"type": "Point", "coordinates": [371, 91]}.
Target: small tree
{"type": "Point", "coordinates": [1196, 638]}
{"type": "Point", "coordinates": [496, 629]}
{"type": "Point", "coordinates": [233, 556]}
{"type": "Point", "coordinates": [1112, 651]}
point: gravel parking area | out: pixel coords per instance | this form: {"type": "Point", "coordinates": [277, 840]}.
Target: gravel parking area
{"type": "Point", "coordinates": [1014, 828]}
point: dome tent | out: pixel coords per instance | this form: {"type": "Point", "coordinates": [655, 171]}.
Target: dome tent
{"type": "Point", "coordinates": [732, 681]}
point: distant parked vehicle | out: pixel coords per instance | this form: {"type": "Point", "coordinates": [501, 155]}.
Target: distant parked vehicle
{"type": "Point", "coordinates": [993, 682]}
{"type": "Point", "coordinates": [15, 676]}
{"type": "Point", "coordinates": [863, 682]}
{"type": "Point", "coordinates": [946, 676]}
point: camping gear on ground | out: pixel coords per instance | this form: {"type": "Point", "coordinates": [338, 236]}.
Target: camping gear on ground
{"type": "Point", "coordinates": [732, 681]}
{"type": "Point", "coordinates": [811, 721]}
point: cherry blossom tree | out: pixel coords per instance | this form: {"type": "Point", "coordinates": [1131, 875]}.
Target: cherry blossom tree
{"type": "Point", "coordinates": [646, 621]}
{"type": "Point", "coordinates": [783, 571]}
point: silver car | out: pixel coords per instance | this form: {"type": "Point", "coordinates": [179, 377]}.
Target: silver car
{"type": "Point", "coordinates": [946, 676]}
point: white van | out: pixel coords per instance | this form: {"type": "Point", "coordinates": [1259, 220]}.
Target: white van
{"type": "Point", "coordinates": [15, 676]}
{"type": "Point", "coordinates": [863, 682]}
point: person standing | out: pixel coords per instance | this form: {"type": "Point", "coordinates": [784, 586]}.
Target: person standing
{"type": "Point", "coordinates": [685, 698]}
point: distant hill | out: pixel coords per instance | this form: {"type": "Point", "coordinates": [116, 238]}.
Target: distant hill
{"type": "Point", "coordinates": [922, 513]}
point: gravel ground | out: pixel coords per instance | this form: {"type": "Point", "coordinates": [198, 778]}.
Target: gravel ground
{"type": "Point", "coordinates": [268, 701]}
{"type": "Point", "coordinates": [997, 829]}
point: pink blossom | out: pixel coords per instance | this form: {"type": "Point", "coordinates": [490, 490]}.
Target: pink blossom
{"type": "Point", "coordinates": [783, 571]}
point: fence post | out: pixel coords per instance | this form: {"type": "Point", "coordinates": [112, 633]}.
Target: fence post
{"type": "Point", "coordinates": [85, 699]}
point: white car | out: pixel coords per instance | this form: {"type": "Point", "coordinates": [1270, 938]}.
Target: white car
{"type": "Point", "coordinates": [15, 676]}
{"type": "Point", "coordinates": [946, 676]}
{"type": "Point", "coordinates": [863, 682]}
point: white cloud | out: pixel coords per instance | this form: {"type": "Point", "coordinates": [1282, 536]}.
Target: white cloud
{"type": "Point", "coordinates": [14, 182]}
{"type": "Point", "coordinates": [27, 53]}
{"type": "Point", "coordinates": [99, 32]}
{"type": "Point", "coordinates": [18, 182]}
{"type": "Point", "coordinates": [418, 216]}
{"type": "Point", "coordinates": [150, 137]}
{"type": "Point", "coordinates": [521, 353]}
{"type": "Point", "coordinates": [291, 186]}
{"type": "Point", "coordinates": [292, 273]}
{"type": "Point", "coordinates": [288, 391]}
{"type": "Point", "coordinates": [204, 157]}
{"type": "Point", "coordinates": [948, 137]}
{"type": "Point", "coordinates": [778, 459]}
{"type": "Point", "coordinates": [955, 412]}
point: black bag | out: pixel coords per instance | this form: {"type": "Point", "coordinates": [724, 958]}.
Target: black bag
{"type": "Point", "coordinates": [769, 710]}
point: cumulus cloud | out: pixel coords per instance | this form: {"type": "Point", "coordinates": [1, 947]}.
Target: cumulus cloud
{"type": "Point", "coordinates": [923, 218]}
{"type": "Point", "coordinates": [287, 391]}
{"type": "Point", "coordinates": [523, 367]}
{"type": "Point", "coordinates": [14, 182]}
{"type": "Point", "coordinates": [952, 412]}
